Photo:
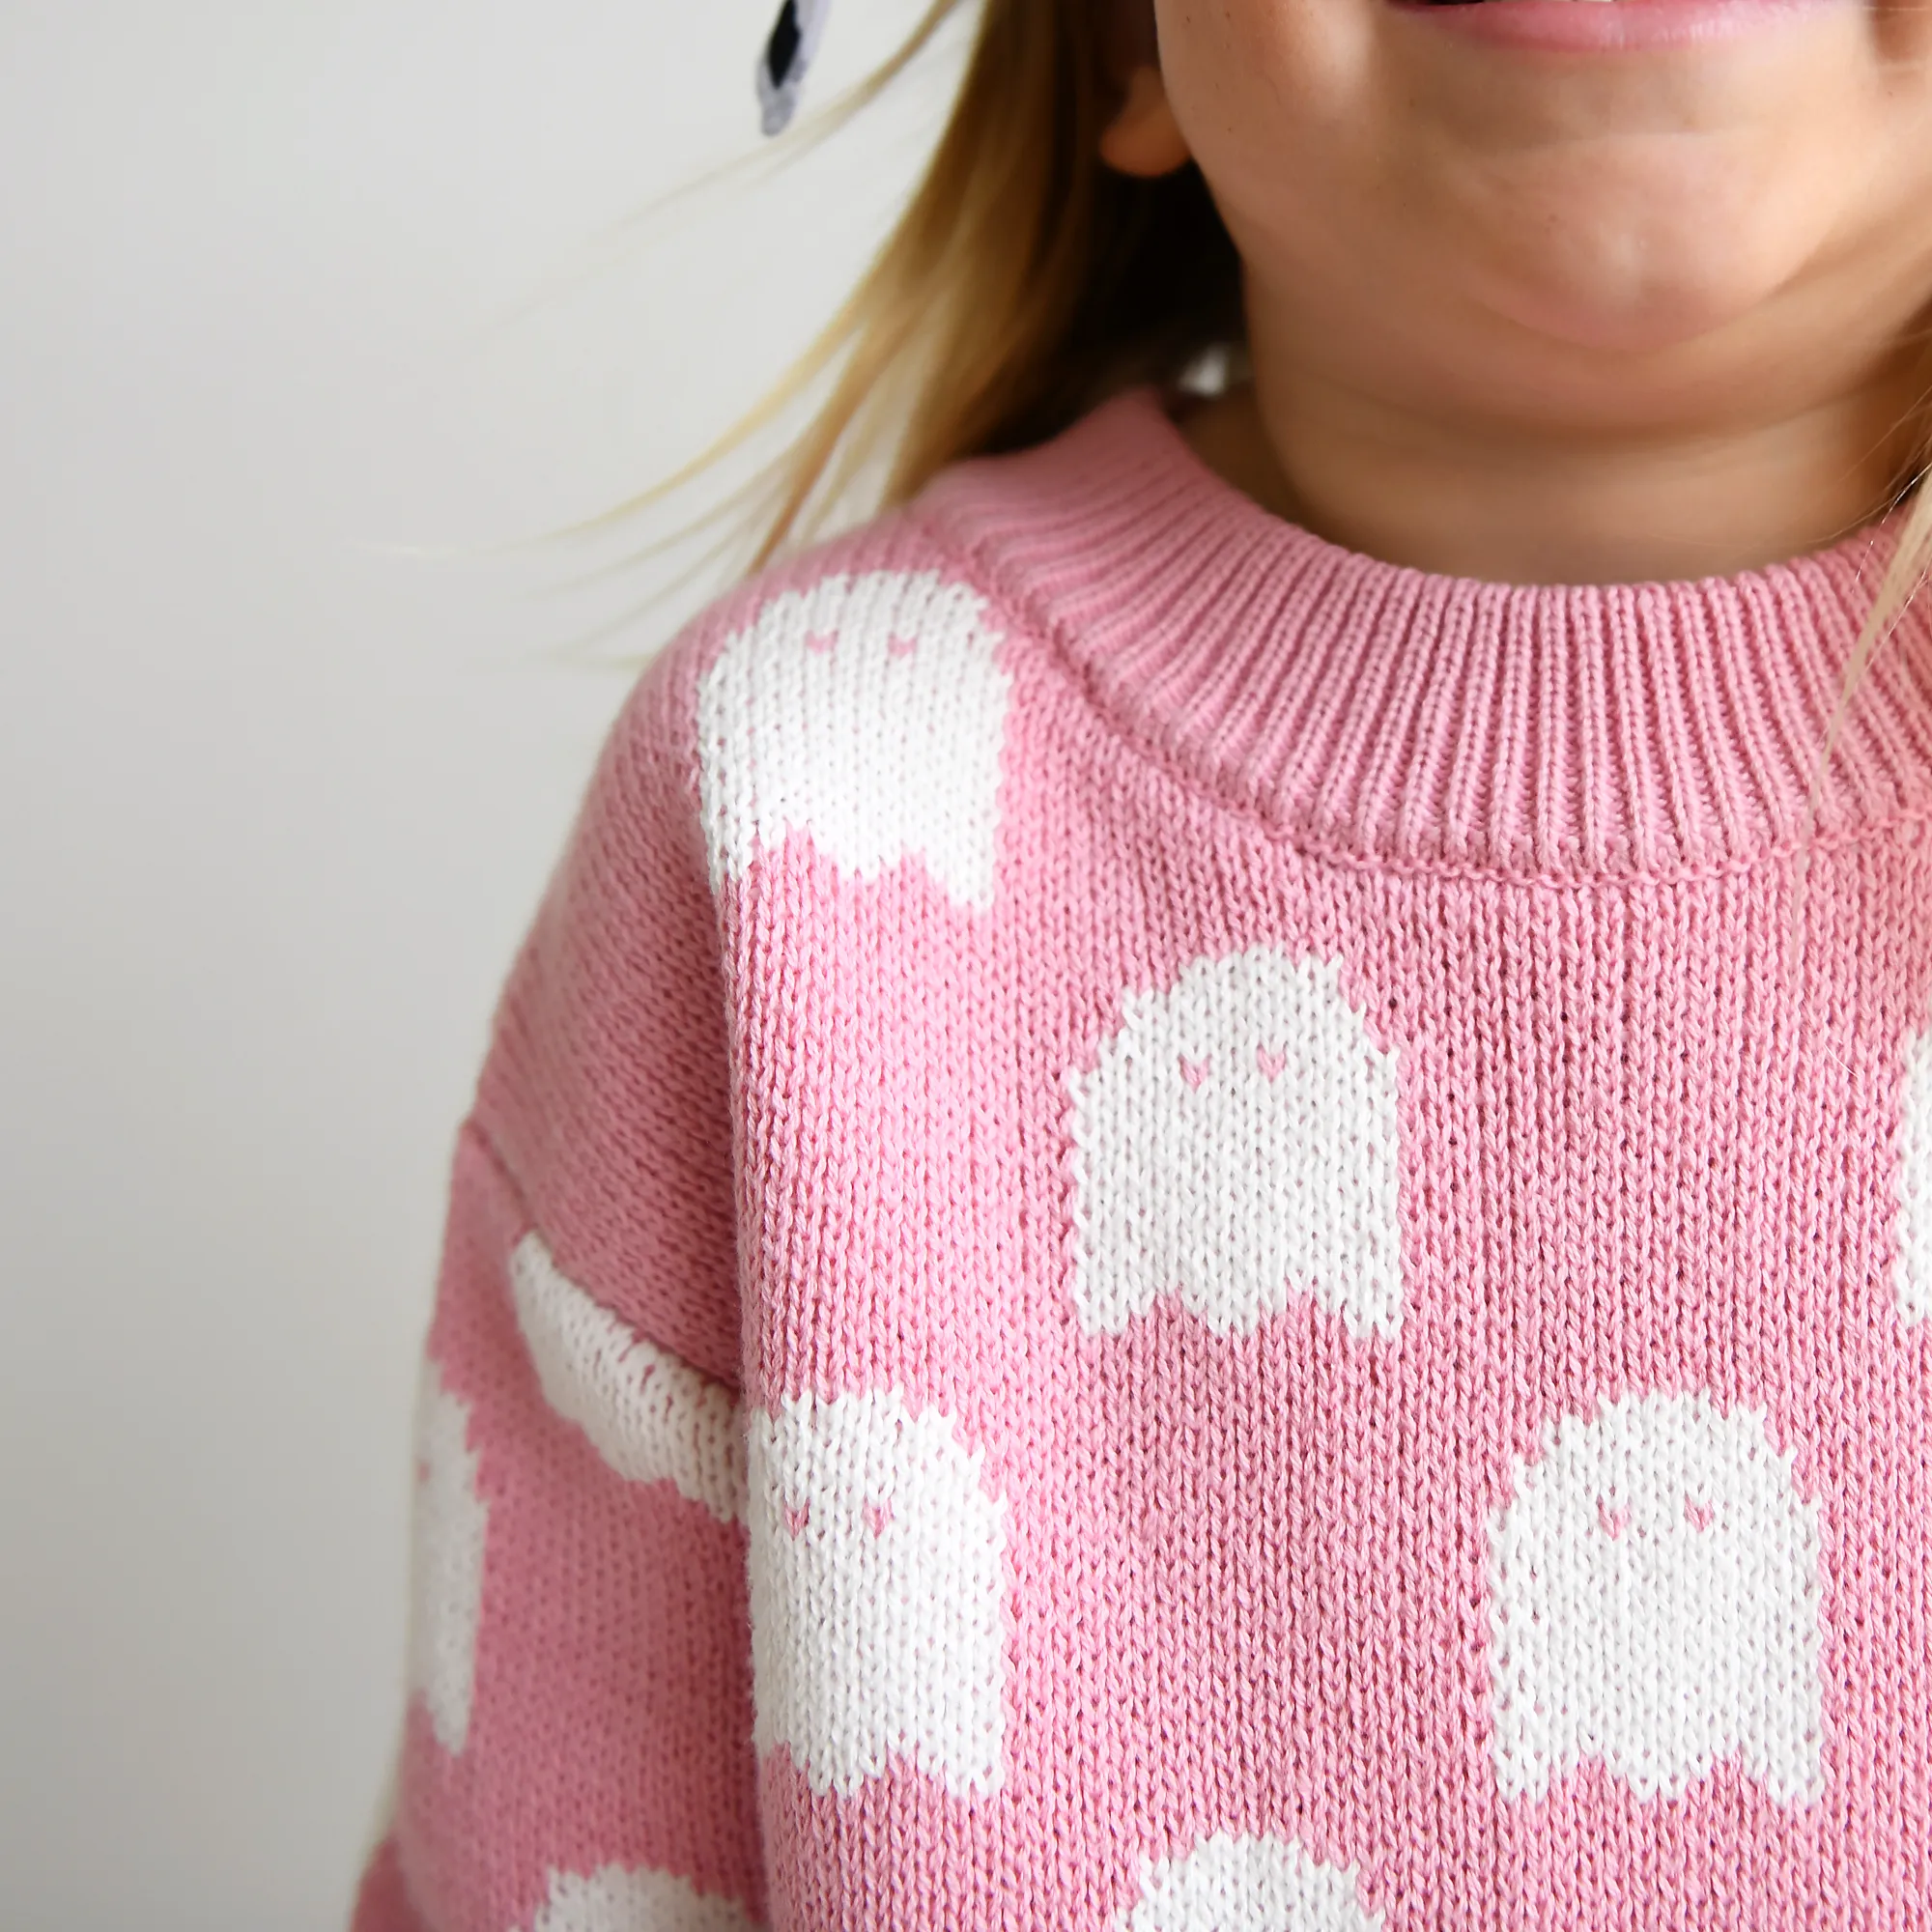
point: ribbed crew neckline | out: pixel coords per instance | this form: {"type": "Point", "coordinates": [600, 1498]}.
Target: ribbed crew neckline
{"type": "Point", "coordinates": [1369, 709]}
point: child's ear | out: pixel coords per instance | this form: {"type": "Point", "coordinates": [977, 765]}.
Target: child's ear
{"type": "Point", "coordinates": [1143, 138]}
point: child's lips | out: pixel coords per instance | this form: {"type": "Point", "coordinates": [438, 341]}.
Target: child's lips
{"type": "Point", "coordinates": [1613, 26]}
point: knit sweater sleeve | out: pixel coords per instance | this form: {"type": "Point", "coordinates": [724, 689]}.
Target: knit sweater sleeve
{"type": "Point", "coordinates": [576, 1748]}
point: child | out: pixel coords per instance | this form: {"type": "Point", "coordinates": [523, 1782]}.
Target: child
{"type": "Point", "coordinates": [1207, 1200]}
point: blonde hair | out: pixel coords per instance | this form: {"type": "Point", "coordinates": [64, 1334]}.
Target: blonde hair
{"type": "Point", "coordinates": [1026, 282]}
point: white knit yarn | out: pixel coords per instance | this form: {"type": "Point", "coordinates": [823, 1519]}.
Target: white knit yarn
{"type": "Point", "coordinates": [867, 713]}
{"type": "Point", "coordinates": [1914, 1276]}
{"type": "Point", "coordinates": [1238, 1141]}
{"type": "Point", "coordinates": [449, 1530]}
{"type": "Point", "coordinates": [1655, 1592]}
{"type": "Point", "coordinates": [652, 1418]}
{"type": "Point", "coordinates": [618, 1899]}
{"type": "Point", "coordinates": [1228, 1884]}
{"type": "Point", "coordinates": [878, 1581]}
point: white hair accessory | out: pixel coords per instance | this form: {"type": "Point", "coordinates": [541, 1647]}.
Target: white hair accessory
{"type": "Point", "coordinates": [788, 52]}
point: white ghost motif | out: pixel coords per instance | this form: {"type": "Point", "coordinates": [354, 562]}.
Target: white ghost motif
{"type": "Point", "coordinates": [651, 1416]}
{"type": "Point", "coordinates": [1655, 1604]}
{"type": "Point", "coordinates": [867, 712]}
{"type": "Point", "coordinates": [878, 1590]}
{"type": "Point", "coordinates": [1913, 1278]}
{"type": "Point", "coordinates": [1237, 1143]}
{"type": "Point", "coordinates": [450, 1529]}
{"type": "Point", "coordinates": [620, 1899]}
{"type": "Point", "coordinates": [1246, 1885]}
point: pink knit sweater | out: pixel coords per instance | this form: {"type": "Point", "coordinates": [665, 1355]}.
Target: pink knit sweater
{"type": "Point", "coordinates": [1172, 1232]}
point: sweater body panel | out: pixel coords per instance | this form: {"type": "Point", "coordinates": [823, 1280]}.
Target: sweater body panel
{"type": "Point", "coordinates": [1322, 1327]}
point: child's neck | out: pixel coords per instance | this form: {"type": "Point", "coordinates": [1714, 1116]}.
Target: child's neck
{"type": "Point", "coordinates": [1549, 510]}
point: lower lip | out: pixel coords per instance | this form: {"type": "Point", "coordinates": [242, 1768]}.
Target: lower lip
{"type": "Point", "coordinates": [1613, 26]}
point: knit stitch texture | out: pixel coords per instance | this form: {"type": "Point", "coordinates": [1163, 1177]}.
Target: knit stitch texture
{"type": "Point", "coordinates": [1172, 1232]}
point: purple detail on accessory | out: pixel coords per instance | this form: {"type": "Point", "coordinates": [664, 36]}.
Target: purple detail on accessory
{"type": "Point", "coordinates": [787, 57]}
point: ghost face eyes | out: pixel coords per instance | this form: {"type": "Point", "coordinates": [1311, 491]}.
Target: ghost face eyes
{"type": "Point", "coordinates": [1657, 1605]}
{"type": "Point", "coordinates": [1613, 1518]}
{"type": "Point", "coordinates": [878, 1578]}
{"type": "Point", "coordinates": [1237, 1143]}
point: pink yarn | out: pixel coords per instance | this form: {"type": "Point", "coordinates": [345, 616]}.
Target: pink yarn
{"type": "Point", "coordinates": [1159, 1236]}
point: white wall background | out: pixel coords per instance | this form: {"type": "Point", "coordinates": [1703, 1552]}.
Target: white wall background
{"type": "Point", "coordinates": [285, 290]}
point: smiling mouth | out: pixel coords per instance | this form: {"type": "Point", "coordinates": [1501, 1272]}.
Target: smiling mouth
{"type": "Point", "coordinates": [1614, 26]}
